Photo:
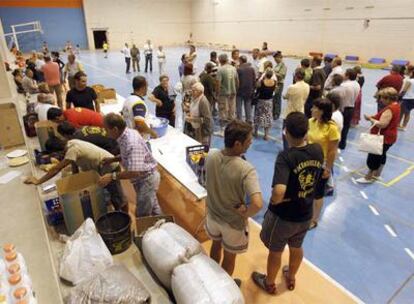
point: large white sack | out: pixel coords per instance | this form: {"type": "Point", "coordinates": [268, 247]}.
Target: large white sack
{"type": "Point", "coordinates": [202, 281]}
{"type": "Point", "coordinates": [85, 254]}
{"type": "Point", "coordinates": [165, 246]}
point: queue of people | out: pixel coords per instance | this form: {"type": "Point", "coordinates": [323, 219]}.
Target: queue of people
{"type": "Point", "coordinates": [318, 110]}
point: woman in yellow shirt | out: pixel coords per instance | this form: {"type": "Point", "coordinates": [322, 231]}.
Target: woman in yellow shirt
{"type": "Point", "coordinates": [324, 131]}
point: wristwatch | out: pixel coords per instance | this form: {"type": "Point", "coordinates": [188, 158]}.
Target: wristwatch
{"type": "Point", "coordinates": [114, 176]}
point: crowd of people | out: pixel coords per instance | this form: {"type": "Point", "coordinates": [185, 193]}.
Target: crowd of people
{"type": "Point", "coordinates": [244, 95]}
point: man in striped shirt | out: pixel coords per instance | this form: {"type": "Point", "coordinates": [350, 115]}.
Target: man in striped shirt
{"type": "Point", "coordinates": [139, 165]}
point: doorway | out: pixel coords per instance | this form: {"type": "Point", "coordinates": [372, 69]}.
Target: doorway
{"type": "Point", "coordinates": [99, 37]}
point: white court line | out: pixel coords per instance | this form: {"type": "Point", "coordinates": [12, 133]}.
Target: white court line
{"type": "Point", "coordinates": [341, 159]}
{"type": "Point", "coordinates": [354, 181]}
{"type": "Point", "coordinates": [106, 71]}
{"type": "Point", "coordinates": [345, 168]}
{"type": "Point", "coordinates": [323, 274]}
{"type": "Point", "coordinates": [390, 230]}
{"type": "Point", "coordinates": [374, 210]}
{"type": "Point", "coordinates": [364, 195]}
{"type": "Point", "coordinates": [409, 252]}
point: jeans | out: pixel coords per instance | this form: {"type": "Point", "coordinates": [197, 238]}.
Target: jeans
{"type": "Point", "coordinates": [128, 63]}
{"type": "Point", "coordinates": [347, 113]}
{"type": "Point", "coordinates": [146, 192]}
{"type": "Point", "coordinates": [116, 194]}
{"type": "Point", "coordinates": [148, 61]}
{"type": "Point", "coordinates": [247, 103]}
{"type": "Point", "coordinates": [277, 101]}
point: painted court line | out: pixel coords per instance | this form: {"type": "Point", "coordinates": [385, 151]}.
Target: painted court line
{"type": "Point", "coordinates": [374, 210]}
{"type": "Point", "coordinates": [354, 181]}
{"type": "Point", "coordinates": [363, 194]}
{"type": "Point", "coordinates": [388, 155]}
{"type": "Point", "coordinates": [409, 252]}
{"type": "Point", "coordinates": [322, 273]}
{"type": "Point", "coordinates": [390, 230]}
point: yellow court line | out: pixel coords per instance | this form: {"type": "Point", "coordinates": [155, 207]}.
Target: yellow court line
{"type": "Point", "coordinates": [388, 154]}
{"type": "Point", "coordinates": [401, 176]}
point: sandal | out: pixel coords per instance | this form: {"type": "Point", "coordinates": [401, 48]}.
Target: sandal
{"type": "Point", "coordinates": [260, 280]}
{"type": "Point", "coordinates": [238, 282]}
{"type": "Point", "coordinates": [290, 284]}
{"type": "Point", "coordinates": [313, 225]}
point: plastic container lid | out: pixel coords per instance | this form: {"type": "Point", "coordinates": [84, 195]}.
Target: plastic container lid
{"type": "Point", "coordinates": [14, 268]}
{"type": "Point", "coordinates": [8, 247]}
{"type": "Point", "coordinates": [10, 257]}
{"type": "Point", "coordinates": [14, 279]}
{"type": "Point", "coordinates": [20, 293]}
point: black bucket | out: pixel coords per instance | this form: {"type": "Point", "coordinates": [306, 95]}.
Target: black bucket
{"type": "Point", "coordinates": [115, 229]}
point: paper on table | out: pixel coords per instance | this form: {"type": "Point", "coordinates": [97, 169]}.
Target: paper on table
{"type": "Point", "coordinates": [5, 178]}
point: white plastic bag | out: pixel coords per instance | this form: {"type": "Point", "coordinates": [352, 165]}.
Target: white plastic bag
{"type": "Point", "coordinates": [85, 254]}
{"type": "Point", "coordinates": [115, 285]}
{"type": "Point", "coordinates": [202, 281]}
{"type": "Point", "coordinates": [165, 246]}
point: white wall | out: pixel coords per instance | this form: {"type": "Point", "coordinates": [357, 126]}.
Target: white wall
{"type": "Point", "coordinates": [165, 22]}
{"type": "Point", "coordinates": [288, 26]}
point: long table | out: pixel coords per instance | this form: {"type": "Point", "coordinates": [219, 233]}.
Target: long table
{"type": "Point", "coordinates": [180, 196]}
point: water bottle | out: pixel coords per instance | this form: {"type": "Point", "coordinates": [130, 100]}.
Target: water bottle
{"type": "Point", "coordinates": [15, 258]}
{"type": "Point", "coordinates": [23, 295]}
{"type": "Point", "coordinates": [17, 281]}
{"type": "Point", "coordinates": [3, 295]}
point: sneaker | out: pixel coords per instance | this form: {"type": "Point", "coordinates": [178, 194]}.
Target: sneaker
{"type": "Point", "coordinates": [260, 280]}
{"type": "Point", "coordinates": [378, 178]}
{"type": "Point", "coordinates": [401, 128]}
{"type": "Point", "coordinates": [363, 180]}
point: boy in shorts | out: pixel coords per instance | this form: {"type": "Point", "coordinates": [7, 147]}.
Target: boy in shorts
{"type": "Point", "coordinates": [287, 220]}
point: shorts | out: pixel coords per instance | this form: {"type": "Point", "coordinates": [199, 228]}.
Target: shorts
{"type": "Point", "coordinates": [407, 105]}
{"type": "Point", "coordinates": [232, 240]}
{"type": "Point", "coordinates": [320, 188]}
{"type": "Point", "coordinates": [276, 233]}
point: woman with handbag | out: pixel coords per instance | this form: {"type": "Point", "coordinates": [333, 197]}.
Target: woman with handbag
{"type": "Point", "coordinates": [323, 131]}
{"type": "Point", "coordinates": [385, 123]}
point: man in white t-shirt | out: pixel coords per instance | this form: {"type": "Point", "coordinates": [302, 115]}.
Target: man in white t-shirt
{"type": "Point", "coordinates": [148, 48]}
{"type": "Point", "coordinates": [161, 60]}
{"type": "Point", "coordinates": [135, 110]}
{"type": "Point", "coordinates": [127, 53]}
{"type": "Point", "coordinates": [296, 96]}
{"type": "Point", "coordinates": [336, 70]}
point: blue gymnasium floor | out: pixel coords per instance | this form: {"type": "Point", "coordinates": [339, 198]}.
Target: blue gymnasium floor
{"type": "Point", "coordinates": [352, 243]}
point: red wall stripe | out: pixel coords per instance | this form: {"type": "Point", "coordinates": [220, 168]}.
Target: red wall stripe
{"type": "Point", "coordinates": [41, 3]}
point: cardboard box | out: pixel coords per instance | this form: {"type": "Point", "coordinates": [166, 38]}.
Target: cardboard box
{"type": "Point", "coordinates": [145, 222]}
{"type": "Point", "coordinates": [44, 130]}
{"type": "Point", "coordinates": [80, 197]}
{"type": "Point", "coordinates": [107, 96]}
{"type": "Point", "coordinates": [10, 130]}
